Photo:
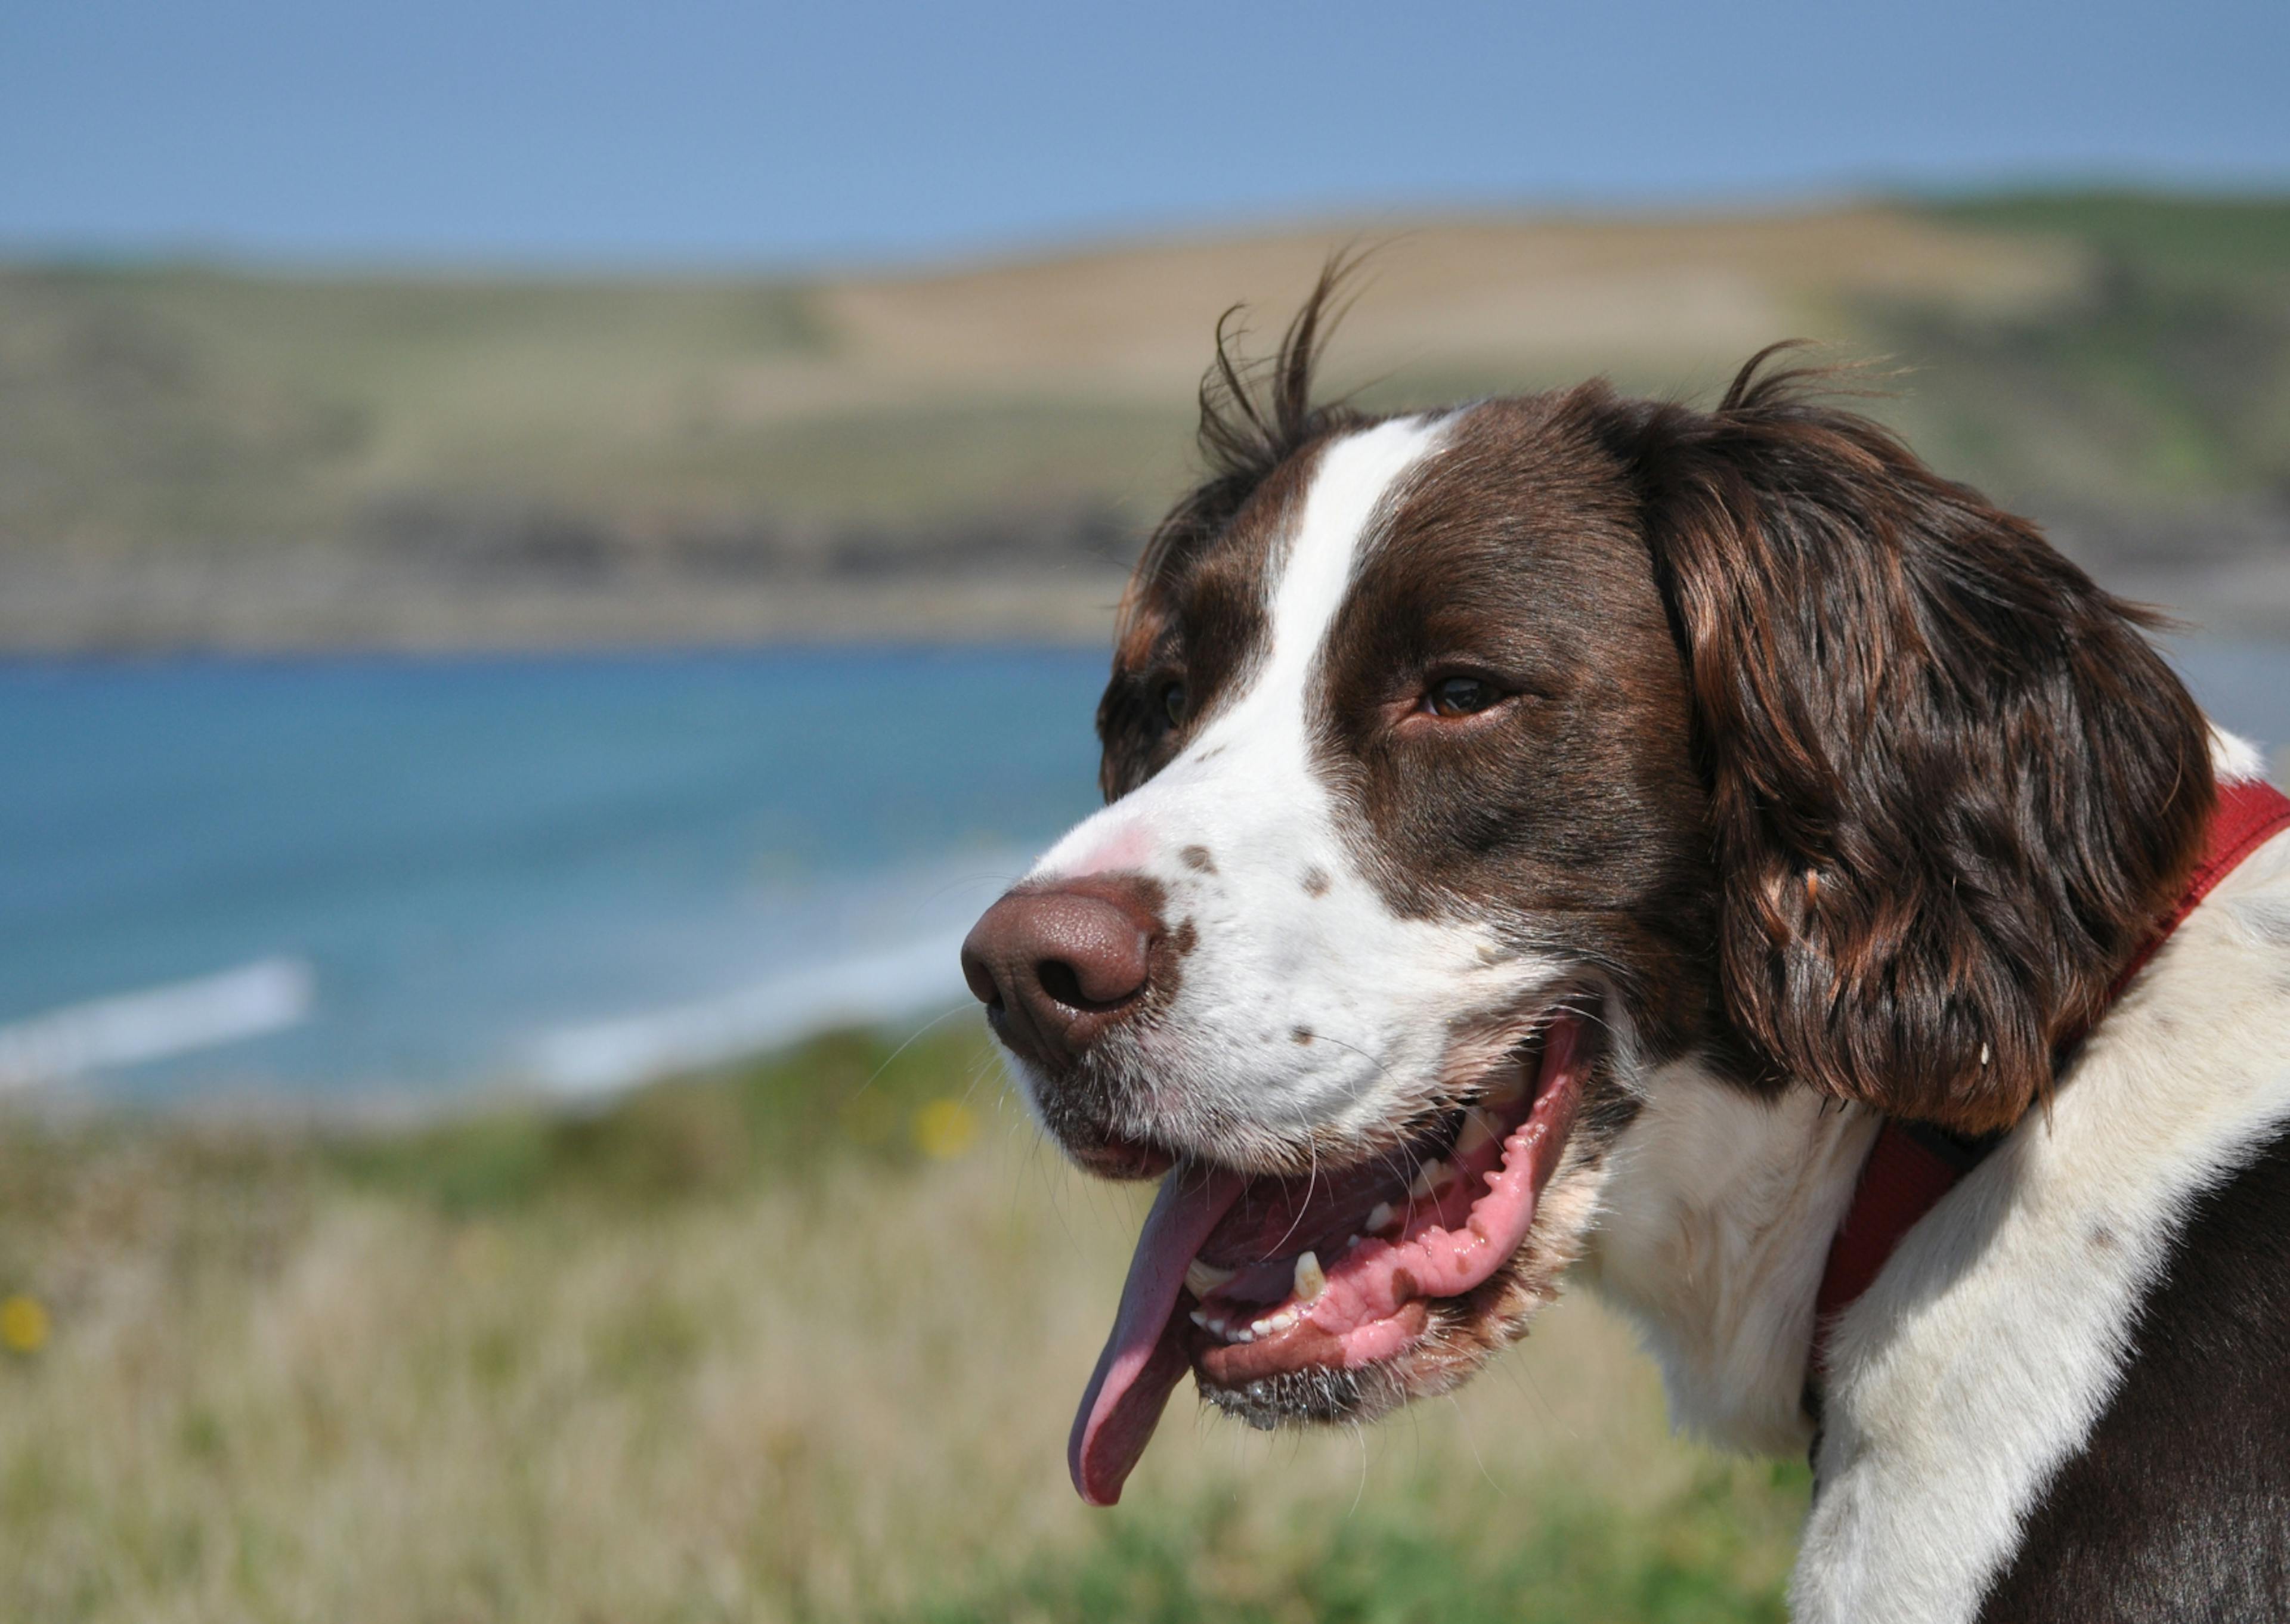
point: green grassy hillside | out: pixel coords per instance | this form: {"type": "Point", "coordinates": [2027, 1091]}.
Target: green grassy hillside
{"type": "Point", "coordinates": [194, 453]}
{"type": "Point", "coordinates": [2164, 379]}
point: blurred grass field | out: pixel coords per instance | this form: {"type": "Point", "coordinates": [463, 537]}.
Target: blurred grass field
{"type": "Point", "coordinates": [796, 1341]}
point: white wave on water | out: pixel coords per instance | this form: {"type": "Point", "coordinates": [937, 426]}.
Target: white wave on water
{"type": "Point", "coordinates": [864, 988]}
{"type": "Point", "coordinates": [266, 996]}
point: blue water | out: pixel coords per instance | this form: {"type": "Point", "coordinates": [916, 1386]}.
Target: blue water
{"type": "Point", "coordinates": [564, 871]}
{"type": "Point", "coordinates": [473, 854]}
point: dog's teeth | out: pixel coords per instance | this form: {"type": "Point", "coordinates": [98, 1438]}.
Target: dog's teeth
{"type": "Point", "coordinates": [1311, 1279]}
{"type": "Point", "coordinates": [1378, 1221]}
{"type": "Point", "coordinates": [1240, 1333]}
{"type": "Point", "coordinates": [1216, 1325]}
{"type": "Point", "coordinates": [1353, 1242]}
{"type": "Point", "coordinates": [1479, 1131]}
{"type": "Point", "coordinates": [1204, 1278]}
{"type": "Point", "coordinates": [1429, 1177]}
{"type": "Point", "coordinates": [1283, 1319]}
{"type": "Point", "coordinates": [1200, 1318]}
{"type": "Point", "coordinates": [1263, 1327]}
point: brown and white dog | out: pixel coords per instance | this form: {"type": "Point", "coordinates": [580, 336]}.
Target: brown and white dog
{"type": "Point", "coordinates": [1548, 839]}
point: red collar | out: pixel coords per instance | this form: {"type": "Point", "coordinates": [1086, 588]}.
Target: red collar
{"type": "Point", "coordinates": [1913, 1164]}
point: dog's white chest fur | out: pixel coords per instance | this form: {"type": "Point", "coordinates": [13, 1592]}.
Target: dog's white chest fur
{"type": "Point", "coordinates": [1985, 1352]}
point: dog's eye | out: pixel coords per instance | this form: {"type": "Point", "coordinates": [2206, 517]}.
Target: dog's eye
{"type": "Point", "coordinates": [1460, 696]}
{"type": "Point", "coordinates": [1172, 703]}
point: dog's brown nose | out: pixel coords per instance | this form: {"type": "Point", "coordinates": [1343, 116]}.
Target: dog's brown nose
{"type": "Point", "coordinates": [1056, 967]}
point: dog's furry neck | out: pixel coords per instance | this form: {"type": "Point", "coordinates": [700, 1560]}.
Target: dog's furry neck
{"type": "Point", "coordinates": [1716, 1213]}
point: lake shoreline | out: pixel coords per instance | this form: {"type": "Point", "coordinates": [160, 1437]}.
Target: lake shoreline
{"type": "Point", "coordinates": [283, 600]}
{"type": "Point", "coordinates": [255, 600]}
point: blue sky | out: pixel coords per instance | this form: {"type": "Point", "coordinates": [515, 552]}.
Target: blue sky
{"type": "Point", "coordinates": [681, 132]}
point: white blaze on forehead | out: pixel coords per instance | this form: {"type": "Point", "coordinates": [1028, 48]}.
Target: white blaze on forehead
{"type": "Point", "coordinates": [1258, 741]}
{"type": "Point", "coordinates": [1347, 496]}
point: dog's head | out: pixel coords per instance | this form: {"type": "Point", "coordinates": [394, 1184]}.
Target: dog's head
{"type": "Point", "coordinates": [1462, 768]}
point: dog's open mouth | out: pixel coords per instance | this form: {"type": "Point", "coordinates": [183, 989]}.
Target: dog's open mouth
{"type": "Point", "coordinates": [1255, 1283]}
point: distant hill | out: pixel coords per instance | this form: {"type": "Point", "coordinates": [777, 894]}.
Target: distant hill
{"type": "Point", "coordinates": [195, 456]}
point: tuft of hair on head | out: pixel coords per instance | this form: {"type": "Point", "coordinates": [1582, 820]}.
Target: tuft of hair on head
{"type": "Point", "coordinates": [1255, 413]}
{"type": "Point", "coordinates": [1763, 383]}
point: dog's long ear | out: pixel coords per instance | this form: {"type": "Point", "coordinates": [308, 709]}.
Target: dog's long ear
{"type": "Point", "coordinates": [1952, 785]}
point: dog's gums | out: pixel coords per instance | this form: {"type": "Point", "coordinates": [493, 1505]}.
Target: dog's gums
{"type": "Point", "coordinates": [1268, 1287]}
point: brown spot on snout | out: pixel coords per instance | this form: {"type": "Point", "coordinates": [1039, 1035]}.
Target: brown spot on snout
{"type": "Point", "coordinates": [1316, 882]}
{"type": "Point", "coordinates": [1302, 1035]}
{"type": "Point", "coordinates": [1198, 859]}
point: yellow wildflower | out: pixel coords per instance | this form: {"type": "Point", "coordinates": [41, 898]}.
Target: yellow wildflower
{"type": "Point", "coordinates": [23, 1324]}
{"type": "Point", "coordinates": [944, 1129]}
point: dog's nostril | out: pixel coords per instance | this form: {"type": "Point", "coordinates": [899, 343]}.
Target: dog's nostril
{"type": "Point", "coordinates": [1058, 980]}
{"type": "Point", "coordinates": [979, 975]}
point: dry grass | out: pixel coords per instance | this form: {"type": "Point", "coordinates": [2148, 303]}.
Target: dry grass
{"type": "Point", "coordinates": [706, 1360]}
{"type": "Point", "coordinates": [1499, 297]}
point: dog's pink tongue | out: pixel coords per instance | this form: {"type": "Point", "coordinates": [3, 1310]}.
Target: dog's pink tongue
{"type": "Point", "coordinates": [1145, 1355]}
